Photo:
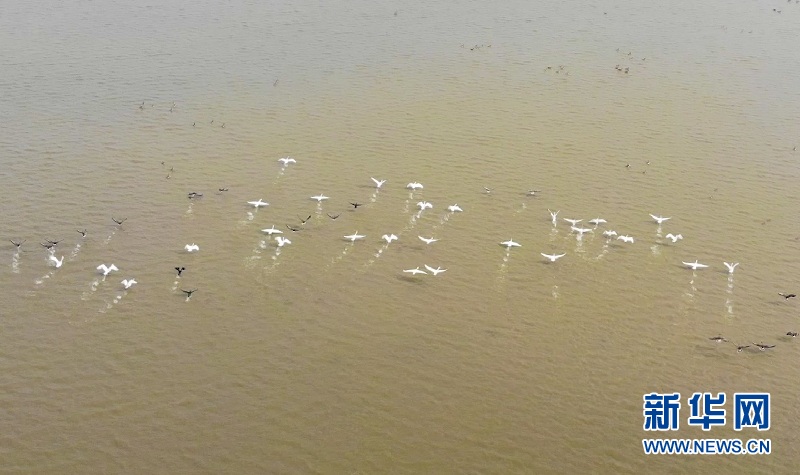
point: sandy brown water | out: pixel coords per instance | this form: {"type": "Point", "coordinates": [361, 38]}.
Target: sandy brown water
{"type": "Point", "coordinates": [326, 357]}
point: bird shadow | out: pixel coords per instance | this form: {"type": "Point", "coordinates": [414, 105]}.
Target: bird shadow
{"type": "Point", "coordinates": [410, 280]}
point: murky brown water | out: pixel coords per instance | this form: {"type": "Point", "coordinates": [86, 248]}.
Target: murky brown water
{"type": "Point", "coordinates": [325, 357]}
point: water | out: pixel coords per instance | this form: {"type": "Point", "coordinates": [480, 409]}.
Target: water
{"type": "Point", "coordinates": [327, 359]}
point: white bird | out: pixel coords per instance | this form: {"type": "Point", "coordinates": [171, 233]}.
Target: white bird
{"type": "Point", "coordinates": [57, 262]}
{"type": "Point", "coordinates": [320, 198]}
{"type": "Point", "coordinates": [581, 230]}
{"type": "Point", "coordinates": [424, 205]}
{"type": "Point", "coordinates": [597, 221]}
{"type": "Point", "coordinates": [625, 238]}
{"type": "Point", "coordinates": [730, 266]}
{"type": "Point", "coordinates": [552, 257]}
{"type": "Point", "coordinates": [695, 265]}
{"type": "Point", "coordinates": [378, 183]}
{"type": "Point", "coordinates": [258, 203]}
{"type": "Point", "coordinates": [510, 243]}
{"type": "Point", "coordinates": [191, 247]}
{"type": "Point", "coordinates": [609, 233]}
{"type": "Point", "coordinates": [573, 221]}
{"type": "Point", "coordinates": [282, 241]}
{"type": "Point", "coordinates": [272, 230]}
{"type": "Point", "coordinates": [436, 271]}
{"type": "Point", "coordinates": [106, 269]}
{"type": "Point", "coordinates": [427, 240]}
{"type": "Point", "coordinates": [128, 283]}
{"type": "Point", "coordinates": [415, 271]}
{"type": "Point", "coordinates": [675, 237]}
{"type": "Point", "coordinates": [554, 214]}
{"type": "Point", "coordinates": [389, 238]}
{"type": "Point", "coordinates": [454, 208]}
{"type": "Point", "coordinates": [659, 219]}
{"type": "Point", "coordinates": [353, 237]}
{"type": "Point", "coordinates": [287, 160]}
{"type": "Point", "coordinates": [414, 185]}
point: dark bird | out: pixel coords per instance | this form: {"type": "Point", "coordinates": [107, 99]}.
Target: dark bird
{"type": "Point", "coordinates": [180, 270]}
{"type": "Point", "coordinates": [333, 217]}
{"type": "Point", "coordinates": [119, 221]}
{"type": "Point", "coordinates": [193, 124]}
{"type": "Point", "coordinates": [82, 233]}
{"type": "Point", "coordinates": [763, 347]}
{"type": "Point", "coordinates": [18, 244]}
{"type": "Point", "coordinates": [787, 296]}
{"type": "Point", "coordinates": [356, 205]}
{"type": "Point", "coordinates": [718, 339]}
{"type": "Point", "coordinates": [188, 293]}
{"type": "Point", "coordinates": [48, 245]}
{"type": "Point", "coordinates": [304, 221]}
{"type": "Point", "coordinates": [223, 189]}
{"type": "Point", "coordinates": [792, 334]}
{"type": "Point", "coordinates": [195, 194]}
{"type": "Point", "coordinates": [292, 228]}
{"type": "Point", "coordinates": [52, 242]}
{"type": "Point", "coordinates": [739, 348]}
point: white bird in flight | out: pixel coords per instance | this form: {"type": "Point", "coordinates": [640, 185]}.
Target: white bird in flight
{"type": "Point", "coordinates": [282, 241]}
{"type": "Point", "coordinates": [625, 238]}
{"type": "Point", "coordinates": [597, 221]}
{"type": "Point", "coordinates": [659, 219]}
{"type": "Point", "coordinates": [106, 269]}
{"type": "Point", "coordinates": [55, 260]}
{"type": "Point", "coordinates": [191, 247]}
{"type": "Point", "coordinates": [353, 237]}
{"type": "Point", "coordinates": [414, 185]}
{"type": "Point", "coordinates": [427, 240]}
{"type": "Point", "coordinates": [609, 233]}
{"type": "Point", "coordinates": [389, 238]}
{"type": "Point", "coordinates": [554, 215]}
{"type": "Point", "coordinates": [510, 243]}
{"type": "Point", "coordinates": [415, 271]}
{"type": "Point", "coordinates": [258, 203]}
{"type": "Point", "coordinates": [287, 160]}
{"type": "Point", "coordinates": [272, 230]}
{"type": "Point", "coordinates": [552, 257]}
{"type": "Point", "coordinates": [694, 265]}
{"type": "Point", "coordinates": [423, 205]}
{"type": "Point", "coordinates": [581, 230]}
{"type": "Point", "coordinates": [572, 221]}
{"type": "Point", "coordinates": [378, 183]}
{"type": "Point", "coordinates": [436, 271]}
{"type": "Point", "coordinates": [674, 237]}
{"type": "Point", "coordinates": [320, 198]}
{"type": "Point", "coordinates": [731, 266]}
{"type": "Point", "coordinates": [128, 283]}
{"type": "Point", "coordinates": [454, 208]}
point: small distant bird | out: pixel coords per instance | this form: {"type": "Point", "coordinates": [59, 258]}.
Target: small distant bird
{"type": "Point", "coordinates": [180, 270]}
{"type": "Point", "coordinates": [454, 208]}
{"type": "Point", "coordinates": [510, 243]}
{"type": "Point", "coordinates": [415, 271]}
{"type": "Point", "coordinates": [18, 244]}
{"type": "Point", "coordinates": [787, 296]}
{"type": "Point", "coordinates": [353, 237]}
{"type": "Point", "coordinates": [258, 203]}
{"type": "Point", "coordinates": [625, 238]}
{"type": "Point", "coordinates": [718, 339]}
{"type": "Point", "coordinates": [52, 242]}
{"type": "Point", "coordinates": [427, 240]}
{"type": "Point", "coordinates": [792, 334]}
{"type": "Point", "coordinates": [487, 190]}
{"type": "Point", "coordinates": [355, 205]}
{"type": "Point", "coordinates": [436, 271]}
{"type": "Point", "coordinates": [739, 348]}
{"type": "Point", "coordinates": [378, 183]}
{"type": "Point", "coordinates": [609, 233]}
{"type": "Point", "coordinates": [763, 347]}
{"type": "Point", "coordinates": [223, 189]}
{"type": "Point", "coordinates": [597, 221]}
{"type": "Point", "coordinates": [194, 194]}
{"type": "Point", "coordinates": [56, 261]}
{"type": "Point", "coordinates": [581, 231]}
{"type": "Point", "coordinates": [414, 185]}
{"type": "Point", "coordinates": [532, 192]}
{"type": "Point", "coordinates": [287, 160]}
{"type": "Point", "coordinates": [82, 233]}
{"type": "Point", "coordinates": [304, 221]}
{"type": "Point", "coordinates": [389, 238]}
{"type": "Point", "coordinates": [282, 241]}
{"type": "Point", "coordinates": [293, 229]}
{"type": "Point", "coordinates": [128, 283]}
{"type": "Point", "coordinates": [320, 198]}
{"type": "Point", "coordinates": [333, 217]}
{"type": "Point", "coordinates": [423, 205]}
{"type": "Point", "coordinates": [191, 247]}
{"type": "Point", "coordinates": [674, 237]}
{"type": "Point", "coordinates": [48, 245]}
{"type": "Point", "coordinates": [188, 293]}
{"type": "Point", "coordinates": [730, 266]}
{"type": "Point", "coordinates": [106, 269]}
{"type": "Point", "coordinates": [272, 230]}
{"type": "Point", "coordinates": [552, 257]}
{"type": "Point", "coordinates": [119, 221]}
{"type": "Point", "coordinates": [573, 222]}
{"type": "Point", "coordinates": [553, 215]}
{"type": "Point", "coordinates": [659, 219]}
{"type": "Point", "coordinates": [694, 265]}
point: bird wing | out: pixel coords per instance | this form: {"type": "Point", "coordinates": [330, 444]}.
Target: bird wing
{"type": "Point", "coordinates": [430, 268]}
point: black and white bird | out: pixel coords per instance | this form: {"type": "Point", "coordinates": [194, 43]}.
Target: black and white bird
{"type": "Point", "coordinates": [787, 296]}
{"type": "Point", "coordinates": [180, 270]}
{"type": "Point", "coordinates": [119, 221]}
